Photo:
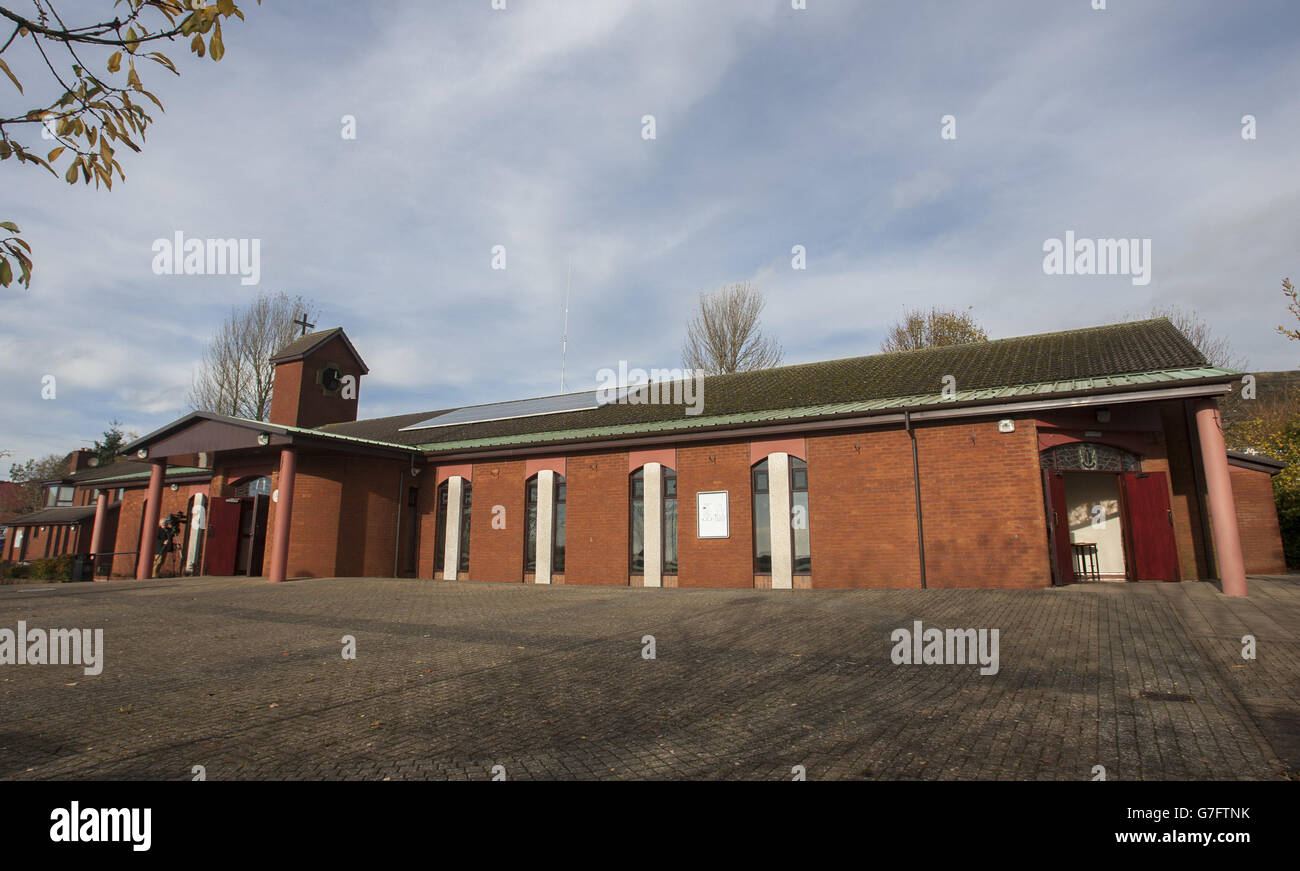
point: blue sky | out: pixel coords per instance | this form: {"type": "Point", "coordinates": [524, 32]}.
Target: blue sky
{"type": "Point", "coordinates": [775, 127]}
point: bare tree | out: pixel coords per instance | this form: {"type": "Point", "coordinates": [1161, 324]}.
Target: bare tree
{"type": "Point", "coordinates": [235, 376]}
{"type": "Point", "coordinates": [723, 335]}
{"type": "Point", "coordinates": [935, 328]}
{"type": "Point", "coordinates": [1217, 350]}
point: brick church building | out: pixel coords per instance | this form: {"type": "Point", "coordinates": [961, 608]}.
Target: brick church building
{"type": "Point", "coordinates": [1093, 454]}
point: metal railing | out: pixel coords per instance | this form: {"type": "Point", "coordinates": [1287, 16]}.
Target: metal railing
{"type": "Point", "coordinates": [102, 563]}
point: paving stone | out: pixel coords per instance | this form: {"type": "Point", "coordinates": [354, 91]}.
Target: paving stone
{"type": "Point", "coordinates": [454, 678]}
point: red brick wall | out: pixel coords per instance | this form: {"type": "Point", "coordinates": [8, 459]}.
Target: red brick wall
{"type": "Point", "coordinates": [286, 393]}
{"type": "Point", "coordinates": [129, 515]}
{"type": "Point", "coordinates": [1261, 538]}
{"type": "Point", "coordinates": [716, 562]}
{"type": "Point", "coordinates": [1173, 455]}
{"type": "Point", "coordinates": [596, 520]}
{"type": "Point", "coordinates": [297, 400]}
{"type": "Point", "coordinates": [863, 510]}
{"type": "Point", "coordinates": [344, 516]}
{"type": "Point", "coordinates": [982, 503]}
{"type": "Point", "coordinates": [495, 554]}
{"type": "Point", "coordinates": [428, 525]}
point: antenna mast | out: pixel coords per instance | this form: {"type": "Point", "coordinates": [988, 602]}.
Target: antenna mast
{"type": "Point", "coordinates": [564, 348]}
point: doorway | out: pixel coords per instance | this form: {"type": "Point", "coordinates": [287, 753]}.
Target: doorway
{"type": "Point", "coordinates": [1106, 519]}
{"type": "Point", "coordinates": [1096, 525]}
{"type": "Point", "coordinates": [252, 535]}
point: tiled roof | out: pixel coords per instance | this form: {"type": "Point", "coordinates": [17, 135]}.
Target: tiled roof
{"type": "Point", "coordinates": [1074, 360]}
{"type": "Point", "coordinates": [54, 516]}
{"type": "Point", "coordinates": [303, 345]}
{"type": "Point", "coordinates": [122, 470]}
{"type": "Point", "coordinates": [172, 472]}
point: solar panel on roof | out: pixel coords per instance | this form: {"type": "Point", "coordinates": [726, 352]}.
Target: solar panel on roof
{"type": "Point", "coordinates": [511, 410]}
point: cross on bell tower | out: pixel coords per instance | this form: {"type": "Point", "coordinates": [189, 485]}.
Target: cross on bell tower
{"type": "Point", "coordinates": [302, 322]}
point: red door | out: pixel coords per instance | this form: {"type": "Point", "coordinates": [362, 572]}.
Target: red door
{"type": "Point", "coordinates": [1150, 526]}
{"type": "Point", "coordinates": [223, 537]}
{"type": "Point", "coordinates": [1058, 528]}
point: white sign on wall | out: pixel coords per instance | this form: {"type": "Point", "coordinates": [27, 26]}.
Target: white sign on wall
{"type": "Point", "coordinates": [711, 515]}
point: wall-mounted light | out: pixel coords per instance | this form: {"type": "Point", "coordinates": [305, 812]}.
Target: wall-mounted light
{"type": "Point", "coordinates": [143, 453]}
{"type": "Point", "coordinates": [1103, 415]}
{"type": "Point", "coordinates": [263, 438]}
{"type": "Point", "coordinates": [175, 487]}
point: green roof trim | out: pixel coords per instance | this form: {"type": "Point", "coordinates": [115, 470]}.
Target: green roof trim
{"type": "Point", "coordinates": [897, 403]}
{"type": "Point", "coordinates": [304, 430]}
{"type": "Point", "coordinates": [172, 471]}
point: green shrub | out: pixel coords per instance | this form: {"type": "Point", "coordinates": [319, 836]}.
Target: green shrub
{"type": "Point", "coordinates": [1288, 518]}
{"type": "Point", "coordinates": [57, 568]}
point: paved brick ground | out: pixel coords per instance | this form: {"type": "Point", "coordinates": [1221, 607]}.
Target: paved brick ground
{"type": "Point", "coordinates": [452, 679]}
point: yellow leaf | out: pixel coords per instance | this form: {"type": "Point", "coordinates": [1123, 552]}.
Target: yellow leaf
{"type": "Point", "coordinates": [71, 175]}
{"type": "Point", "coordinates": [196, 45]}
{"type": "Point", "coordinates": [215, 46]}
{"type": "Point", "coordinates": [54, 155]}
{"type": "Point", "coordinates": [115, 62]}
{"type": "Point", "coordinates": [17, 84]}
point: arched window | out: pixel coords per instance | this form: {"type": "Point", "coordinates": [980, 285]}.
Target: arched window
{"type": "Point", "coordinates": [762, 520]}
{"type": "Point", "coordinates": [557, 558]}
{"type": "Point", "coordinates": [652, 522]}
{"type": "Point", "coordinates": [530, 527]}
{"type": "Point", "coordinates": [461, 532]}
{"type": "Point", "coordinates": [440, 528]}
{"type": "Point", "coordinates": [466, 500]}
{"type": "Point", "coordinates": [1088, 457]}
{"type": "Point", "coordinates": [670, 521]}
{"type": "Point", "coordinates": [557, 526]}
{"type": "Point", "coordinates": [259, 485]}
{"type": "Point", "coordinates": [636, 516]}
{"type": "Point", "coordinates": [802, 546]}
{"type": "Point", "coordinates": [800, 541]}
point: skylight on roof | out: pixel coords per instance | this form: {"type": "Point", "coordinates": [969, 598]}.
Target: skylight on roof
{"type": "Point", "coordinates": [512, 410]}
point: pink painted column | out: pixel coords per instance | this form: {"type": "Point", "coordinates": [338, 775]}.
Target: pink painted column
{"type": "Point", "coordinates": [149, 528]}
{"type": "Point", "coordinates": [1223, 510]}
{"type": "Point", "coordinates": [283, 513]}
{"type": "Point", "coordinates": [97, 531]}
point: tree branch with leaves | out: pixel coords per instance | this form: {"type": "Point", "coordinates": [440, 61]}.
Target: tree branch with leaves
{"type": "Point", "coordinates": [93, 115]}
{"type": "Point", "coordinates": [935, 328]}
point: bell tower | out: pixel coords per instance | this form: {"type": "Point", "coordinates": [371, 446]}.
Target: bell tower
{"type": "Point", "coordinates": [317, 380]}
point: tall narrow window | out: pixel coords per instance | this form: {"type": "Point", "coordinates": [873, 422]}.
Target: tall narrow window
{"type": "Point", "coordinates": [530, 528]}
{"type": "Point", "coordinates": [440, 529]}
{"type": "Point", "coordinates": [670, 522]}
{"type": "Point", "coordinates": [465, 501]}
{"type": "Point", "coordinates": [762, 521]}
{"type": "Point", "coordinates": [802, 547]}
{"type": "Point", "coordinates": [637, 514]}
{"type": "Point", "coordinates": [557, 561]}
